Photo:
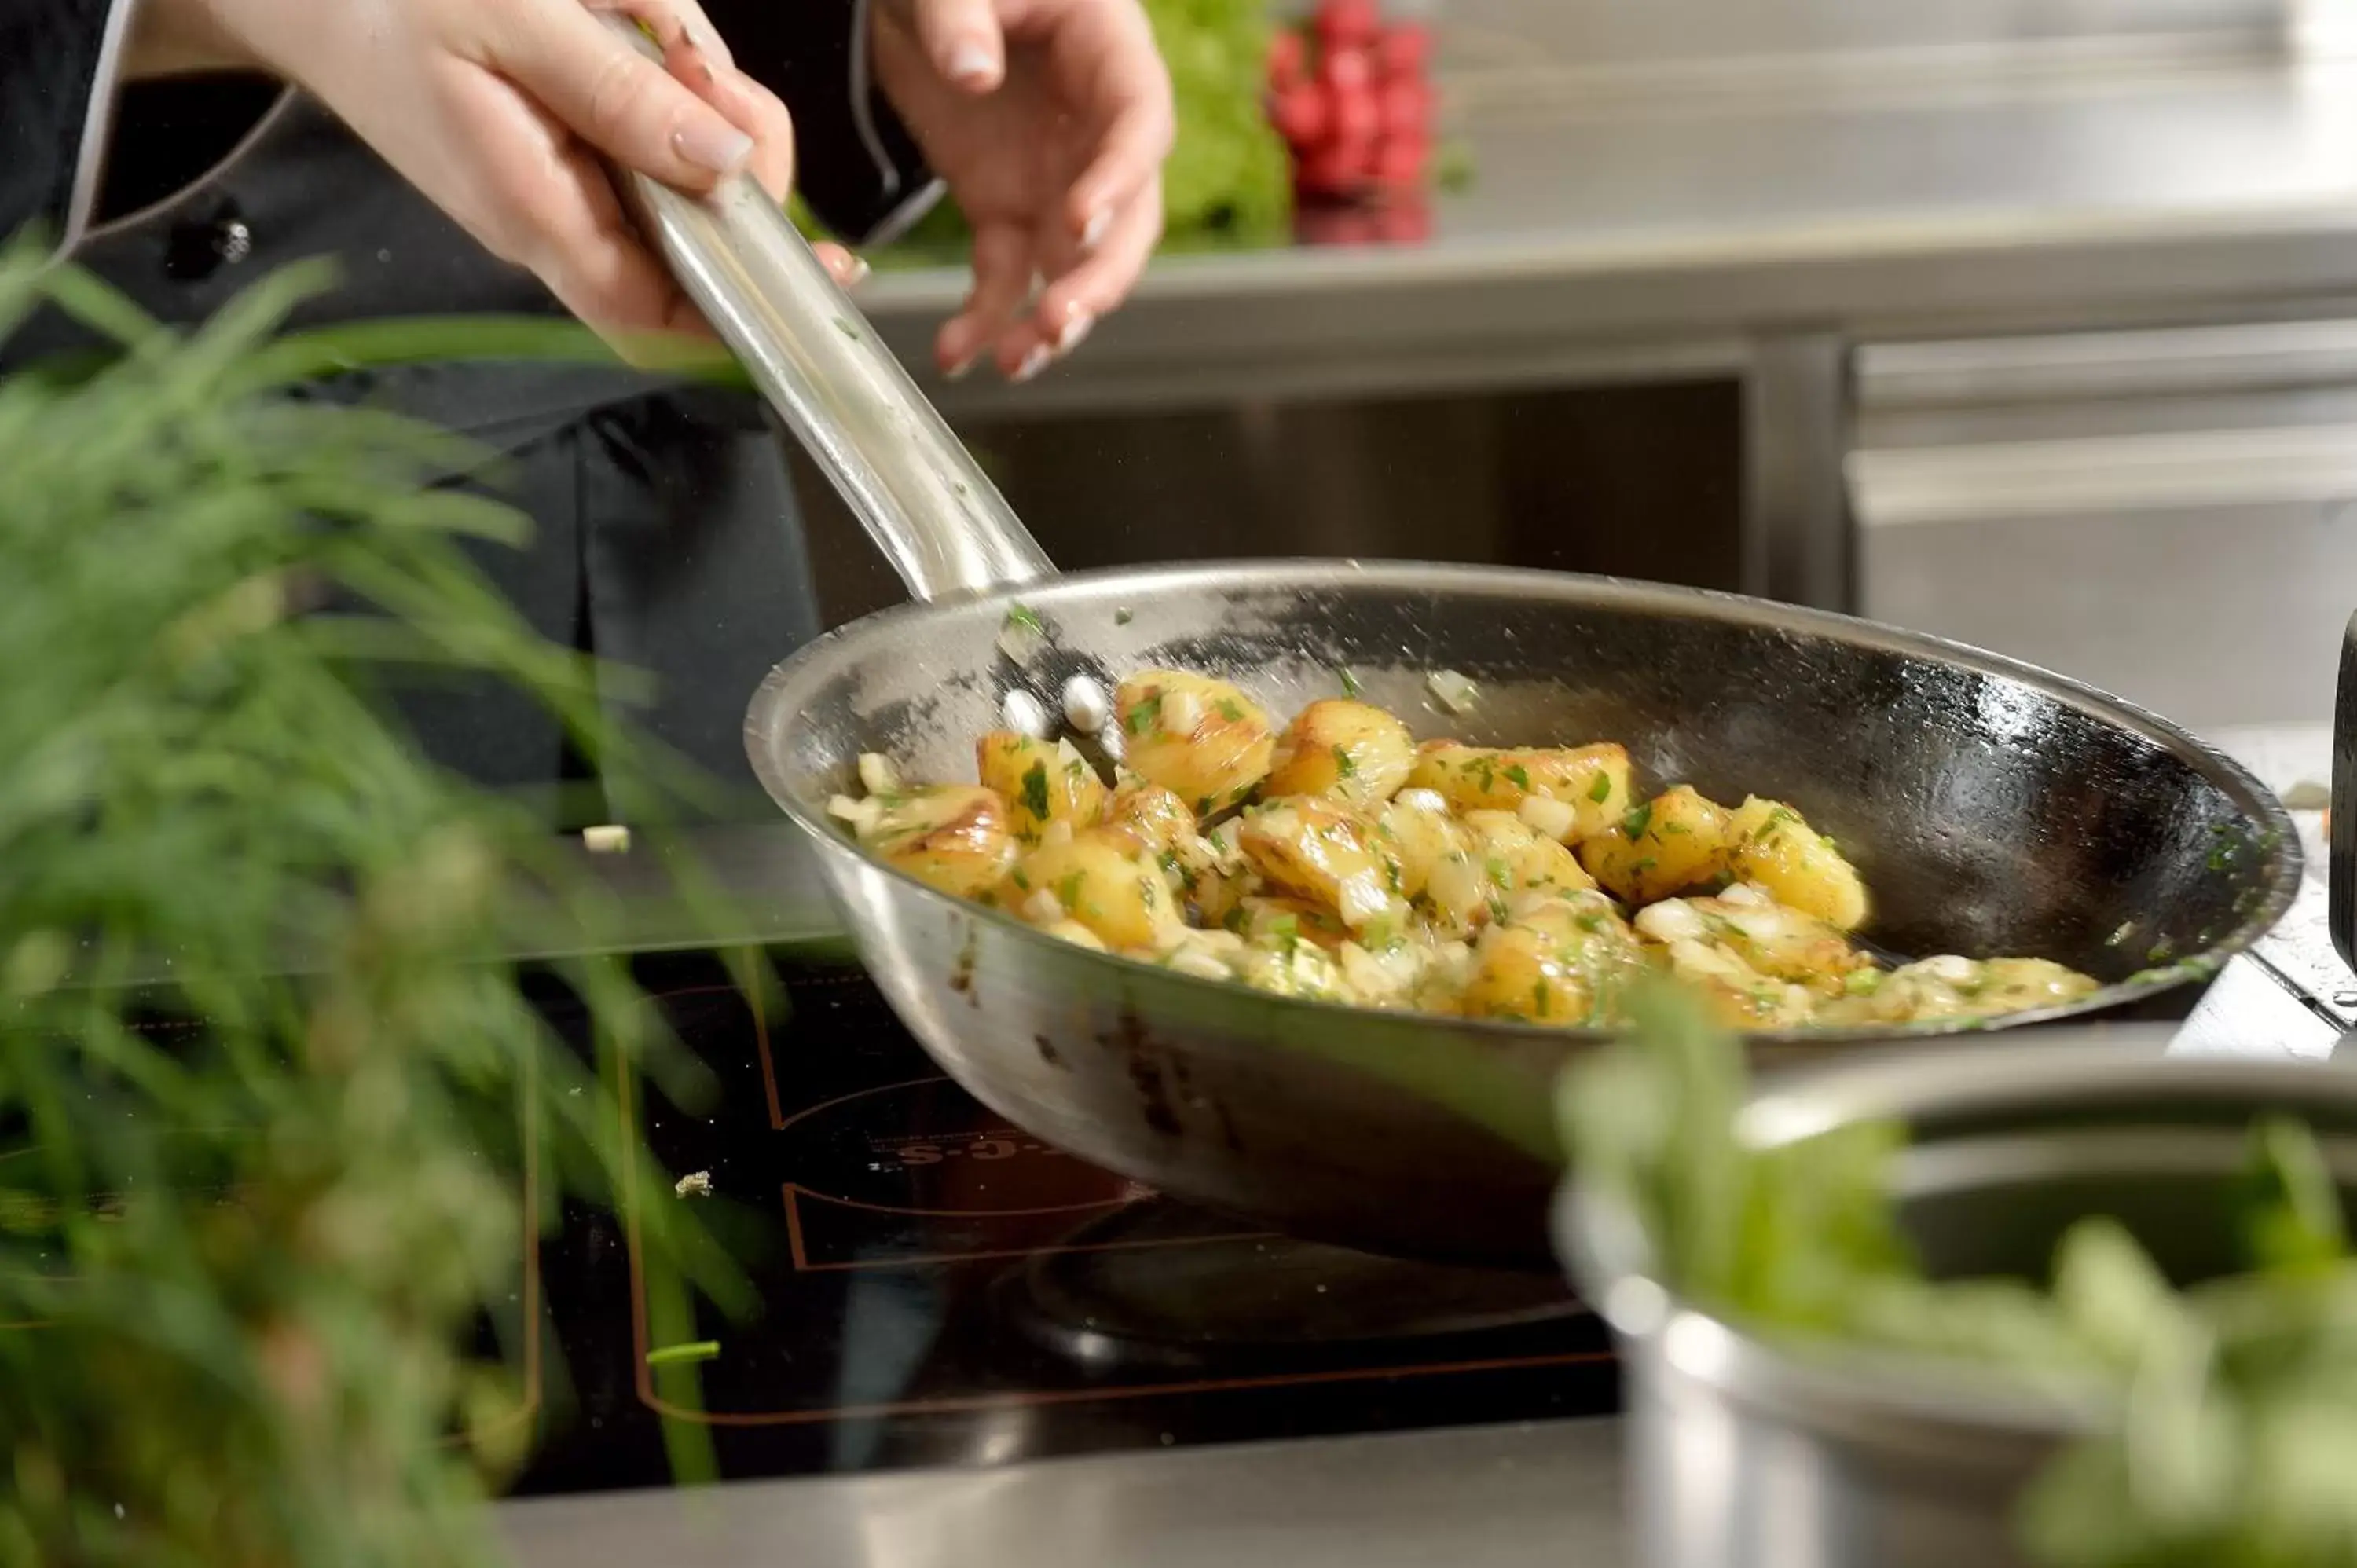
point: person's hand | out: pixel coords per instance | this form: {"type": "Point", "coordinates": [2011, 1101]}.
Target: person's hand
{"type": "Point", "coordinates": [497, 110]}
{"type": "Point", "coordinates": [1050, 120]}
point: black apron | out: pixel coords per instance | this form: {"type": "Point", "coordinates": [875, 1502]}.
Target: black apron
{"type": "Point", "coordinates": [666, 532]}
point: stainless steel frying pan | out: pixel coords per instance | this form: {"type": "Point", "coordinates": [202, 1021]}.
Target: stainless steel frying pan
{"type": "Point", "coordinates": [1992, 807]}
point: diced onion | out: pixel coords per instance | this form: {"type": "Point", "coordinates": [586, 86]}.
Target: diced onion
{"type": "Point", "coordinates": [1422, 800]}
{"type": "Point", "coordinates": [1748, 893]}
{"type": "Point", "coordinates": [1077, 934]}
{"type": "Point", "coordinates": [1086, 707]}
{"type": "Point", "coordinates": [609, 838]}
{"type": "Point", "coordinates": [1198, 964]}
{"type": "Point", "coordinates": [1544, 814]}
{"type": "Point", "coordinates": [1949, 969]}
{"type": "Point", "coordinates": [1042, 908]}
{"type": "Point", "coordinates": [1181, 712]}
{"type": "Point", "coordinates": [1451, 689]}
{"type": "Point", "coordinates": [877, 774]}
{"type": "Point", "coordinates": [859, 815]}
{"type": "Point", "coordinates": [1671, 921]}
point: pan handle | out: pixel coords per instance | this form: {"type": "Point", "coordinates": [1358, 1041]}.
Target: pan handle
{"type": "Point", "coordinates": [911, 483]}
{"type": "Point", "coordinates": [2340, 862]}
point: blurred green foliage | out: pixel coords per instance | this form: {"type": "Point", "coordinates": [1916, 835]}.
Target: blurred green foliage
{"type": "Point", "coordinates": [276, 1127]}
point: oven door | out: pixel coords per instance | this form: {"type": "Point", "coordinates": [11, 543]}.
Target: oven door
{"type": "Point", "coordinates": [2170, 515]}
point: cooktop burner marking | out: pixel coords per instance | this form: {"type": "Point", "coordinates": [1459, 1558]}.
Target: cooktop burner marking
{"type": "Point", "coordinates": [1013, 1400]}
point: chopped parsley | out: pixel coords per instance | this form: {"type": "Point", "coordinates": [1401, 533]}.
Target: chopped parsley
{"type": "Point", "coordinates": [1023, 617]}
{"type": "Point", "coordinates": [1230, 711]}
{"type": "Point", "coordinates": [1235, 920]}
{"type": "Point", "coordinates": [1122, 617]}
{"type": "Point", "coordinates": [1143, 714]}
{"type": "Point", "coordinates": [1034, 791]}
{"type": "Point", "coordinates": [1342, 763]}
{"type": "Point", "coordinates": [1021, 880]}
{"type": "Point", "coordinates": [1541, 994]}
{"type": "Point", "coordinates": [1067, 891]}
{"type": "Point", "coordinates": [1500, 875]}
{"type": "Point", "coordinates": [1519, 778]}
{"type": "Point", "coordinates": [846, 328]}
{"type": "Point", "coordinates": [1351, 687]}
{"type": "Point", "coordinates": [1633, 825]}
{"type": "Point", "coordinates": [1602, 790]}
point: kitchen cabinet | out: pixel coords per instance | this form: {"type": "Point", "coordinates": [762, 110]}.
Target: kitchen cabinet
{"type": "Point", "coordinates": [2170, 514]}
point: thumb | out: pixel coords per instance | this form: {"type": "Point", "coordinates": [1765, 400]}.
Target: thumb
{"type": "Point", "coordinates": [962, 39]}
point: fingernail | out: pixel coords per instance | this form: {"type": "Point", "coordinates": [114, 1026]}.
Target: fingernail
{"type": "Point", "coordinates": [1033, 363]}
{"type": "Point", "coordinates": [857, 273]}
{"type": "Point", "coordinates": [971, 65]}
{"type": "Point", "coordinates": [714, 145]}
{"type": "Point", "coordinates": [709, 44]}
{"type": "Point", "coordinates": [1093, 231]}
{"type": "Point", "coordinates": [962, 369]}
{"type": "Point", "coordinates": [1077, 323]}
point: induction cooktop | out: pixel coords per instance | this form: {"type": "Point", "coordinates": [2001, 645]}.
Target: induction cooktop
{"type": "Point", "coordinates": [932, 1286]}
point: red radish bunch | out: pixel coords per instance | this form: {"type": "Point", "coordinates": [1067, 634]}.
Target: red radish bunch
{"type": "Point", "coordinates": [1351, 98]}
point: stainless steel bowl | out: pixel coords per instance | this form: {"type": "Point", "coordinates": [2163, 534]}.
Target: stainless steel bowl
{"type": "Point", "coordinates": [1743, 1454]}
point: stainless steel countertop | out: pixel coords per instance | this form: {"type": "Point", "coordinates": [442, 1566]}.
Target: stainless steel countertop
{"type": "Point", "coordinates": [1497, 1496]}
{"type": "Point", "coordinates": [1651, 217]}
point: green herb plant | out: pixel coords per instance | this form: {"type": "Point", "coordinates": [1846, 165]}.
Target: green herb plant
{"type": "Point", "coordinates": [276, 1134]}
{"type": "Point", "coordinates": [2234, 1401]}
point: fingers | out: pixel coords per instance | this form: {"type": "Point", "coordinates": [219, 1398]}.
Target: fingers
{"type": "Point", "coordinates": [1003, 266]}
{"type": "Point", "coordinates": [1129, 93]}
{"type": "Point", "coordinates": [962, 38]}
{"type": "Point", "coordinates": [749, 106]}
{"type": "Point", "coordinates": [615, 98]}
{"type": "Point", "coordinates": [1096, 282]}
{"type": "Point", "coordinates": [675, 23]}
{"type": "Point", "coordinates": [847, 270]}
{"type": "Point", "coordinates": [551, 208]}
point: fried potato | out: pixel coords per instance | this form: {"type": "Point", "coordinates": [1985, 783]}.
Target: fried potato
{"type": "Point", "coordinates": [1419, 834]}
{"type": "Point", "coordinates": [1045, 781]}
{"type": "Point", "coordinates": [1675, 841]}
{"type": "Point", "coordinates": [1779, 943]}
{"type": "Point", "coordinates": [1101, 879]}
{"type": "Point", "coordinates": [1356, 754]}
{"type": "Point", "coordinates": [1200, 737]}
{"type": "Point", "coordinates": [959, 837]}
{"type": "Point", "coordinates": [1799, 867]}
{"type": "Point", "coordinates": [1934, 989]}
{"type": "Point", "coordinates": [1516, 859]}
{"type": "Point", "coordinates": [1329, 855]}
{"type": "Point", "coordinates": [1593, 781]}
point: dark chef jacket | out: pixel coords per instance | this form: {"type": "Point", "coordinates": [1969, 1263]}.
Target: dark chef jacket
{"type": "Point", "coordinates": [666, 536]}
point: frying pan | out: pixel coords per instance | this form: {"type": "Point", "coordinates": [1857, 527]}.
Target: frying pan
{"type": "Point", "coordinates": [1993, 808]}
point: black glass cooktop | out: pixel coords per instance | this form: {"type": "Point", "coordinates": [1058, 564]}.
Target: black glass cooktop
{"type": "Point", "coordinates": [935, 1287]}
